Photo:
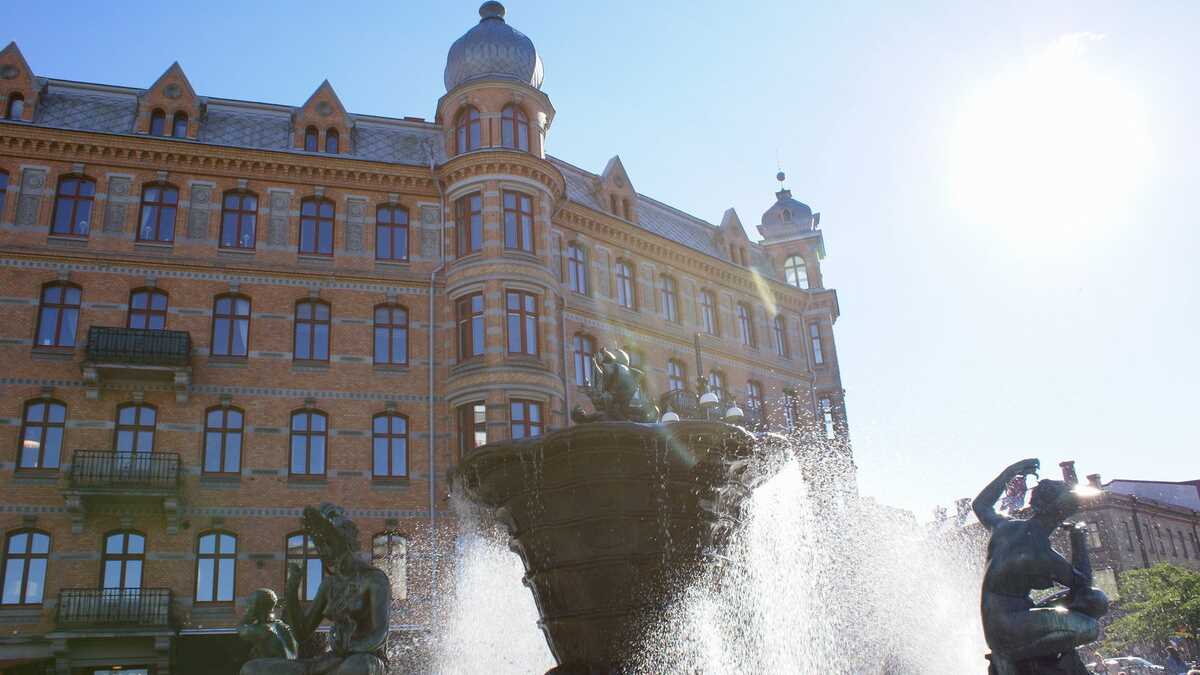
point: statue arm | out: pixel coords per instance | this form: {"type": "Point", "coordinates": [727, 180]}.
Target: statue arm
{"type": "Point", "coordinates": [379, 597]}
{"type": "Point", "coordinates": [305, 621]}
{"type": "Point", "coordinates": [984, 505]}
{"type": "Point", "coordinates": [1081, 562]}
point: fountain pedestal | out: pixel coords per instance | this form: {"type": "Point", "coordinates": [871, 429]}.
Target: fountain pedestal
{"type": "Point", "coordinates": [613, 520]}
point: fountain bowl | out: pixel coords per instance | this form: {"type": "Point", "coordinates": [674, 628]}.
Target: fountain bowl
{"type": "Point", "coordinates": [613, 521]}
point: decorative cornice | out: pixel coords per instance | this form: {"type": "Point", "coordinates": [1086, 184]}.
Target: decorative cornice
{"type": "Point", "coordinates": [504, 162]}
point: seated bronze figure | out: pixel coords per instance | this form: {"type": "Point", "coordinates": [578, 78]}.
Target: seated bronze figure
{"type": "Point", "coordinates": [1029, 638]}
{"type": "Point", "coordinates": [354, 596]}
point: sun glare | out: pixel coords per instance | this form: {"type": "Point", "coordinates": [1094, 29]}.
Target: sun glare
{"type": "Point", "coordinates": [1054, 148]}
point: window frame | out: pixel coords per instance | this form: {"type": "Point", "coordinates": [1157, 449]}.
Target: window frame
{"type": "Point", "coordinates": [61, 308]}
{"type": "Point", "coordinates": [795, 272]}
{"type": "Point", "coordinates": [468, 132]}
{"type": "Point", "coordinates": [43, 426]}
{"type": "Point", "coordinates": [756, 402]}
{"type": "Point", "coordinates": [514, 128]}
{"type": "Point", "coordinates": [669, 296]}
{"type": "Point", "coordinates": [676, 375]}
{"type": "Point", "coordinates": [217, 557]}
{"type": "Point", "coordinates": [308, 553]}
{"type": "Point", "coordinates": [583, 348]}
{"type": "Point", "coordinates": [815, 343]}
{"type": "Point", "coordinates": [234, 320]}
{"type": "Point", "coordinates": [745, 318]}
{"type": "Point", "coordinates": [137, 428]}
{"type": "Point", "coordinates": [180, 117]}
{"type": "Point", "coordinates": [397, 232]}
{"type": "Point", "coordinates": [4, 180]}
{"type": "Point", "coordinates": [159, 207]}
{"type": "Point", "coordinates": [308, 433]}
{"type": "Point", "coordinates": [526, 422]}
{"type": "Point", "coordinates": [79, 202]}
{"type": "Point", "coordinates": [626, 281]}
{"type": "Point", "coordinates": [317, 222]}
{"type": "Point", "coordinates": [527, 323]}
{"type": "Point", "coordinates": [240, 214]}
{"type": "Point", "coordinates": [577, 269]}
{"type": "Point", "coordinates": [779, 326]}
{"type": "Point", "coordinates": [312, 139]}
{"type": "Point", "coordinates": [388, 561]}
{"type": "Point", "coordinates": [718, 384]}
{"type": "Point", "coordinates": [158, 123]}
{"type": "Point", "coordinates": [390, 329]}
{"type": "Point", "coordinates": [469, 426]}
{"type": "Point", "coordinates": [123, 559]}
{"type": "Point", "coordinates": [332, 141]}
{"type": "Point", "coordinates": [313, 324]}
{"type": "Point", "coordinates": [27, 558]}
{"type": "Point", "coordinates": [389, 436]}
{"type": "Point", "coordinates": [828, 424]}
{"type": "Point", "coordinates": [467, 322]}
{"type": "Point", "coordinates": [224, 431]}
{"type": "Point", "coordinates": [148, 313]}
{"type": "Point", "coordinates": [710, 313]}
{"type": "Point", "coordinates": [468, 210]}
{"type": "Point", "coordinates": [520, 231]}
{"type": "Point", "coordinates": [14, 108]}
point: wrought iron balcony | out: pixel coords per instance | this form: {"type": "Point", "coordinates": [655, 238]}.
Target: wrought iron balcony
{"type": "Point", "coordinates": [138, 354]}
{"type": "Point", "coordinates": [109, 476]}
{"type": "Point", "coordinates": [113, 607]}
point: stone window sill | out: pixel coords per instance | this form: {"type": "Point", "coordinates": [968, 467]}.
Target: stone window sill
{"type": "Point", "coordinates": [53, 353]}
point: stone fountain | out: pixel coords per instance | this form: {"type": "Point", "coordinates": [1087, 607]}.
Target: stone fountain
{"type": "Point", "coordinates": [614, 518]}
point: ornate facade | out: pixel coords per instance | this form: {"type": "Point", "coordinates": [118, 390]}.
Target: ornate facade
{"type": "Point", "coordinates": [217, 311]}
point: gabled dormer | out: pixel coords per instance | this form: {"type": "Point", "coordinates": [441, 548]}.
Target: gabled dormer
{"type": "Point", "coordinates": [322, 123]}
{"type": "Point", "coordinates": [615, 191]}
{"type": "Point", "coordinates": [18, 87]}
{"type": "Point", "coordinates": [731, 238]}
{"type": "Point", "coordinates": [169, 107]}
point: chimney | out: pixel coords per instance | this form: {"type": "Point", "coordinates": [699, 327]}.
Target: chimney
{"type": "Point", "coordinates": [1094, 480]}
{"type": "Point", "coordinates": [1068, 472]}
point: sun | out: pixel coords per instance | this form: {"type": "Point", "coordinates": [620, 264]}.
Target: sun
{"type": "Point", "coordinates": [1055, 148]}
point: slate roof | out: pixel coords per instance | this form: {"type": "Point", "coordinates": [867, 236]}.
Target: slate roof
{"type": "Point", "coordinates": [86, 111]}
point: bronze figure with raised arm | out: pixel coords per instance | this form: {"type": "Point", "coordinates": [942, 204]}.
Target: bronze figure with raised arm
{"type": "Point", "coordinates": [1029, 638]}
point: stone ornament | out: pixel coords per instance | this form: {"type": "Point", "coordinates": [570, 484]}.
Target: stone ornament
{"type": "Point", "coordinates": [9, 72]}
{"type": "Point", "coordinates": [324, 109]}
{"type": "Point", "coordinates": [173, 91]}
{"type": "Point", "coordinates": [197, 220]}
{"type": "Point", "coordinates": [114, 210]}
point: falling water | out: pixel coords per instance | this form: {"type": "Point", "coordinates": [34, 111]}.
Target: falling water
{"type": "Point", "coordinates": [816, 580]}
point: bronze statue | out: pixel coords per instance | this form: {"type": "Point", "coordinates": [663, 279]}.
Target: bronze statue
{"type": "Point", "coordinates": [269, 637]}
{"type": "Point", "coordinates": [354, 596]}
{"type": "Point", "coordinates": [615, 385]}
{"type": "Point", "coordinates": [1030, 638]}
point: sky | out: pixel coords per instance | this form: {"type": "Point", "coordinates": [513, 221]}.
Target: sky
{"type": "Point", "coordinates": [1005, 187]}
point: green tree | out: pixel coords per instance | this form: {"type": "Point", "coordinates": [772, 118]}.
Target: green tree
{"type": "Point", "coordinates": [1157, 602]}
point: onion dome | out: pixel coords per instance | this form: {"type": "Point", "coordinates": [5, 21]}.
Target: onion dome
{"type": "Point", "coordinates": [493, 50]}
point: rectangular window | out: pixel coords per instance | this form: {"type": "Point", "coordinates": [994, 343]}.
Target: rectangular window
{"type": "Point", "coordinates": [518, 221]}
{"type": "Point", "coordinates": [814, 335]}
{"type": "Point", "coordinates": [584, 349]}
{"type": "Point", "coordinates": [389, 446]}
{"type": "Point", "coordinates": [676, 376]}
{"type": "Point", "coordinates": [827, 426]}
{"type": "Point", "coordinates": [313, 325]}
{"type": "Point", "coordinates": [223, 441]}
{"type": "Point", "coordinates": [58, 315]}
{"type": "Point", "coordinates": [669, 296]}
{"type": "Point", "coordinates": [231, 326]}
{"type": "Point", "coordinates": [708, 313]}
{"type": "Point", "coordinates": [73, 207]}
{"type": "Point", "coordinates": [746, 324]}
{"type": "Point", "coordinates": [525, 419]}
{"type": "Point", "coordinates": [472, 426]}
{"type": "Point", "coordinates": [781, 341]}
{"type": "Point", "coordinates": [239, 215]}
{"type": "Point", "coordinates": [522, 312]}
{"type": "Point", "coordinates": [316, 227]}
{"type": "Point", "coordinates": [309, 434]}
{"type": "Point", "coordinates": [577, 276]}
{"type": "Point", "coordinates": [626, 293]}
{"type": "Point", "coordinates": [1128, 535]}
{"type": "Point", "coordinates": [468, 224]}
{"type": "Point", "coordinates": [391, 233]}
{"type": "Point", "coordinates": [3, 191]}
{"type": "Point", "coordinates": [469, 312]}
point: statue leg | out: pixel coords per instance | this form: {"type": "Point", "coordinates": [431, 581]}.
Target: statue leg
{"type": "Point", "coordinates": [362, 664]}
{"type": "Point", "coordinates": [1050, 631]}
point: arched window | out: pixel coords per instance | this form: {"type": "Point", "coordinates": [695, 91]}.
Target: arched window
{"type": "Point", "coordinates": [302, 550]}
{"type": "Point", "coordinates": [755, 404]}
{"type": "Point", "coordinates": [795, 272]}
{"type": "Point", "coordinates": [389, 552]}
{"type": "Point", "coordinates": [669, 295]}
{"type": "Point", "coordinates": [310, 430]}
{"type": "Point", "coordinates": [316, 226]}
{"type": "Point", "coordinates": [231, 325]}
{"type": "Point", "coordinates": [16, 106]}
{"type": "Point", "coordinates": [157, 221]}
{"type": "Point", "coordinates": [518, 221]}
{"type": "Point", "coordinates": [223, 427]}
{"type": "Point", "coordinates": [311, 136]}
{"type": "Point", "coordinates": [42, 427]}
{"type": "Point", "coordinates": [179, 125]}
{"type": "Point", "coordinates": [391, 233]}
{"type": "Point", "coordinates": [522, 313]}
{"type": "Point", "coordinates": [239, 214]}
{"type": "Point", "coordinates": [708, 313]}
{"type": "Point", "coordinates": [468, 225]}
{"type": "Point", "coordinates": [73, 206]}
{"type": "Point", "coordinates": [467, 131]}
{"type": "Point", "coordinates": [158, 123]}
{"type": "Point", "coordinates": [577, 271]}
{"type": "Point", "coordinates": [514, 128]}
{"type": "Point", "coordinates": [626, 295]}
{"type": "Point", "coordinates": [312, 327]}
{"type": "Point", "coordinates": [583, 348]}
{"type": "Point", "coordinates": [389, 445]}
{"type": "Point", "coordinates": [216, 566]}
{"type": "Point", "coordinates": [58, 315]}
{"type": "Point", "coordinates": [136, 423]}
{"type": "Point", "coordinates": [123, 559]}
{"type": "Point", "coordinates": [781, 341]}
{"type": "Point", "coordinates": [469, 316]}
{"type": "Point", "coordinates": [676, 375]}
{"type": "Point", "coordinates": [391, 335]}
{"type": "Point", "coordinates": [3, 191]}
{"type": "Point", "coordinates": [331, 141]}
{"type": "Point", "coordinates": [147, 309]}
{"type": "Point", "coordinates": [746, 324]}
{"type": "Point", "coordinates": [716, 384]}
{"type": "Point", "coordinates": [525, 418]}
{"type": "Point", "coordinates": [26, 554]}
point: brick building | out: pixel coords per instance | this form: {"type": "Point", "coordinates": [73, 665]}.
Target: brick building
{"type": "Point", "coordinates": [218, 311]}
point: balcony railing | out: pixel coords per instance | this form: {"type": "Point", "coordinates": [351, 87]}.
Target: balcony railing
{"type": "Point", "coordinates": [109, 470]}
{"type": "Point", "coordinates": [108, 607]}
{"type": "Point", "coordinates": [139, 346]}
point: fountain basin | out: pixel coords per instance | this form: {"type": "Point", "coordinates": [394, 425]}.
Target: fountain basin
{"type": "Point", "coordinates": [613, 520]}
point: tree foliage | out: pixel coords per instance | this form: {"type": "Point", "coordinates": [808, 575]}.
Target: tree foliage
{"type": "Point", "coordinates": [1157, 602]}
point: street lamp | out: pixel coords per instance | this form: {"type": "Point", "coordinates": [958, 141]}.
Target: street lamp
{"type": "Point", "coordinates": [734, 414]}
{"type": "Point", "coordinates": [669, 416]}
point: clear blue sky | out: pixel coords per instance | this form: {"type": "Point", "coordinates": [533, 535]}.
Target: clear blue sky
{"type": "Point", "coordinates": [1006, 188]}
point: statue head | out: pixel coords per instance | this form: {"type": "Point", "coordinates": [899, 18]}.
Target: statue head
{"type": "Point", "coordinates": [263, 603]}
{"type": "Point", "coordinates": [1054, 498]}
{"type": "Point", "coordinates": [621, 357]}
{"type": "Point", "coordinates": [335, 535]}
